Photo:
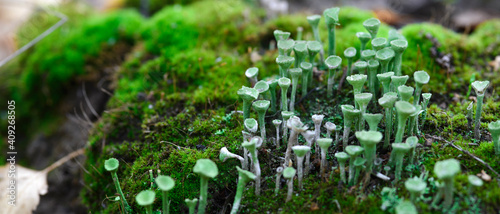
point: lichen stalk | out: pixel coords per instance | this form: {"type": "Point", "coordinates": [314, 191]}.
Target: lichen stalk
{"type": "Point", "coordinates": [290, 190]}
{"type": "Point", "coordinates": [246, 109]}
{"type": "Point", "coordinates": [331, 75]}
{"type": "Point", "coordinates": [398, 58]}
{"type": "Point", "coordinates": [400, 129]}
{"type": "Point", "coordinates": [347, 129]}
{"type": "Point", "coordinates": [331, 40]}
{"type": "Point", "coordinates": [479, 108]}
{"type": "Point", "coordinates": [279, 172]}
{"type": "Point", "coordinates": [323, 163]}
{"type": "Point", "coordinates": [120, 192]}
{"type": "Point", "coordinates": [300, 170]}
{"type": "Point", "coordinates": [165, 202]}
{"type": "Point", "coordinates": [342, 172]}
{"type": "Point", "coordinates": [202, 204]}
{"type": "Point", "coordinates": [388, 126]}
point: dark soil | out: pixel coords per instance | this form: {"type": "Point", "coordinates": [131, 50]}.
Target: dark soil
{"type": "Point", "coordinates": [82, 106]}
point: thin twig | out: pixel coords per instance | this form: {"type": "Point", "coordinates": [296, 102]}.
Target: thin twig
{"type": "Point", "coordinates": [64, 160]}
{"type": "Point", "coordinates": [466, 152]}
{"type": "Point", "coordinates": [178, 147]}
{"type": "Point", "coordinates": [94, 112]}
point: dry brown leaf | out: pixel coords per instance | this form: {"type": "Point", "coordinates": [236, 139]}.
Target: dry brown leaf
{"type": "Point", "coordinates": [29, 185]}
{"type": "Point", "coordinates": [483, 175]}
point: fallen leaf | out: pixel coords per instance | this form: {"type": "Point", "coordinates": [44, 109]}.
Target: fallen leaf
{"type": "Point", "coordinates": [314, 206]}
{"type": "Point", "coordinates": [495, 63]}
{"type": "Point", "coordinates": [26, 184]}
{"type": "Point", "coordinates": [29, 185]}
{"type": "Point", "coordinates": [255, 57]}
{"type": "Point", "coordinates": [484, 176]}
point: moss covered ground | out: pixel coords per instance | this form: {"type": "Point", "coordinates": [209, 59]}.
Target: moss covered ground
{"type": "Point", "coordinates": [174, 101]}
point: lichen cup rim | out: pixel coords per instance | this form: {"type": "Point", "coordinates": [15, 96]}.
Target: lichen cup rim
{"type": "Point", "coordinates": [399, 45]}
{"type": "Point", "coordinates": [388, 99]}
{"type": "Point", "coordinates": [277, 122]}
{"type": "Point", "coordinates": [373, 116]}
{"type": "Point", "coordinates": [314, 45]}
{"type": "Point", "coordinates": [111, 164]}
{"type": "Point", "coordinates": [405, 89]}
{"type": "Point", "coordinates": [480, 86]}
{"type": "Point", "coordinates": [368, 54]}
{"type": "Point", "coordinates": [352, 79]}
{"type": "Point", "coordinates": [284, 81]}
{"type": "Point", "coordinates": [246, 175]}
{"type": "Point", "coordinates": [251, 124]}
{"type": "Point", "coordinates": [333, 62]}
{"type": "Point", "coordinates": [297, 72]}
{"type": "Point", "coordinates": [330, 126]}
{"type": "Point", "coordinates": [300, 46]}
{"type": "Point", "coordinates": [405, 107]}
{"type": "Point", "coordinates": [165, 182]}
{"type": "Point", "coordinates": [379, 41]}
{"type": "Point", "coordinates": [286, 44]}
{"type": "Point", "coordinates": [324, 143]}
{"type": "Point", "coordinates": [384, 54]}
{"type": "Point", "coordinates": [447, 168]}
{"type": "Point", "coordinates": [248, 93]}
{"type": "Point", "coordinates": [421, 77]}
{"type": "Point", "coordinates": [145, 197]}
{"type": "Point", "coordinates": [400, 78]}
{"type": "Point", "coordinates": [287, 114]}
{"type": "Point", "coordinates": [363, 98]}
{"type": "Point", "coordinates": [415, 184]}
{"type": "Point", "coordinates": [427, 96]}
{"type": "Point", "coordinates": [343, 156]}
{"type": "Point", "coordinates": [400, 147]}
{"type": "Point", "coordinates": [474, 180]}
{"type": "Point", "coordinates": [301, 150]}
{"type": "Point", "coordinates": [331, 15]}
{"type": "Point", "coordinates": [369, 137]}
{"type": "Point", "coordinates": [306, 66]}
{"type": "Point", "coordinates": [494, 126]}
{"type": "Point", "coordinates": [279, 33]}
{"type": "Point", "coordinates": [206, 168]}
{"type": "Point", "coordinates": [354, 150]}
{"type": "Point", "coordinates": [289, 172]}
{"type": "Point", "coordinates": [373, 63]}
{"type": "Point", "coordinates": [284, 60]}
{"type": "Point", "coordinates": [251, 72]}
{"type": "Point", "coordinates": [371, 22]}
{"type": "Point", "coordinates": [313, 19]}
{"type": "Point", "coordinates": [406, 207]}
{"type": "Point", "coordinates": [350, 111]}
{"type": "Point", "coordinates": [261, 104]}
{"type": "Point", "coordinates": [364, 36]}
{"type": "Point", "coordinates": [295, 124]}
{"type": "Point", "coordinates": [360, 64]}
{"type": "Point", "coordinates": [386, 75]}
{"type": "Point", "coordinates": [350, 52]}
{"type": "Point", "coordinates": [412, 141]}
{"type": "Point", "coordinates": [261, 86]}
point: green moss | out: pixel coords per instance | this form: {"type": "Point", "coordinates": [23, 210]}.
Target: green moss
{"type": "Point", "coordinates": [156, 5]}
{"type": "Point", "coordinates": [174, 99]}
{"type": "Point", "coordinates": [177, 28]}
{"type": "Point", "coordinates": [486, 35]}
